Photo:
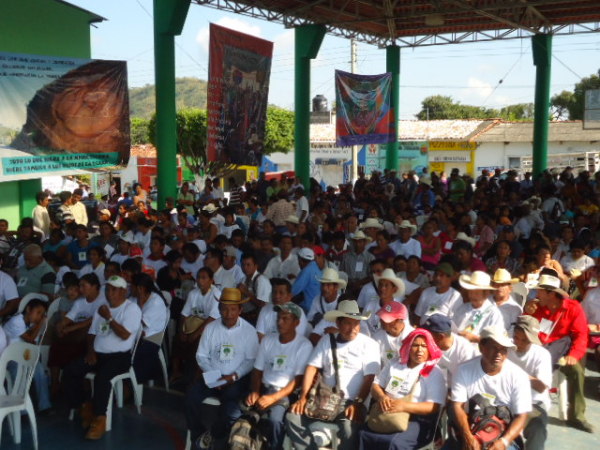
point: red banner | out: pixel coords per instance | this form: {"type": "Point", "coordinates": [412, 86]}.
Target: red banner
{"type": "Point", "coordinates": [238, 89]}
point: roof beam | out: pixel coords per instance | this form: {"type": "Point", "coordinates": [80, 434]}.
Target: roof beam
{"type": "Point", "coordinates": [489, 15]}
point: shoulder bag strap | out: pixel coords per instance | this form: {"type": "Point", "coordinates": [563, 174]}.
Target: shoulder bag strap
{"type": "Point", "coordinates": [335, 360]}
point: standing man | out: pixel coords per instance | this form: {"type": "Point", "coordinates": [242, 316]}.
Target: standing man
{"type": "Point", "coordinates": [306, 287]}
{"type": "Point", "coordinates": [301, 204]}
{"type": "Point", "coordinates": [78, 208]}
{"type": "Point", "coordinates": [356, 263]}
{"type": "Point", "coordinates": [285, 265]}
{"type": "Point", "coordinates": [41, 218]}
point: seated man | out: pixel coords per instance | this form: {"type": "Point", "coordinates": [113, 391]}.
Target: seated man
{"type": "Point", "coordinates": [535, 360]}
{"type": "Point", "coordinates": [564, 332]}
{"type": "Point", "coordinates": [358, 363]}
{"type": "Point", "coordinates": [36, 276]}
{"type": "Point", "coordinates": [227, 351]}
{"type": "Point", "coordinates": [9, 297]}
{"type": "Point", "coordinates": [493, 378]}
{"type": "Point", "coordinates": [111, 338]}
{"type": "Point", "coordinates": [503, 298]}
{"type": "Point", "coordinates": [327, 300]}
{"type": "Point", "coordinates": [394, 328]}
{"type": "Point", "coordinates": [281, 294]}
{"type": "Point", "coordinates": [278, 370]}
{"type": "Point", "coordinates": [256, 287]}
{"type": "Point", "coordinates": [441, 298]}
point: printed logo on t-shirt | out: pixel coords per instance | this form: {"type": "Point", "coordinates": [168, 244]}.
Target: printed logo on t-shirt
{"type": "Point", "coordinates": [226, 353]}
{"type": "Point", "coordinates": [279, 363]}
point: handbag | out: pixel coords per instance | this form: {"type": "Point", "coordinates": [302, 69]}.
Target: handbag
{"type": "Point", "coordinates": [324, 402]}
{"type": "Point", "coordinates": [392, 422]}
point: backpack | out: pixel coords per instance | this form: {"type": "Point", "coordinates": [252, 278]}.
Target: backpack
{"type": "Point", "coordinates": [487, 422]}
{"type": "Point", "coordinates": [245, 433]}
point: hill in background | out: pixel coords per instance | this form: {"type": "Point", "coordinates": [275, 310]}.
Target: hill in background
{"type": "Point", "coordinates": [189, 93]}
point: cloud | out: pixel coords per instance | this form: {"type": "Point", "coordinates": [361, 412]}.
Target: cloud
{"type": "Point", "coordinates": [479, 88]}
{"type": "Point", "coordinates": [203, 35]}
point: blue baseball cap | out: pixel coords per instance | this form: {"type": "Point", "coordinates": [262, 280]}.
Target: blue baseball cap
{"type": "Point", "coordinates": [438, 323]}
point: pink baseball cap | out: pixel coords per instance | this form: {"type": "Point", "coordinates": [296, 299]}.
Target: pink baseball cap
{"type": "Point", "coordinates": [393, 311]}
{"type": "Point", "coordinates": [135, 251]}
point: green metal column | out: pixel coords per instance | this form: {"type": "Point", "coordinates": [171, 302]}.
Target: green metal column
{"type": "Point", "coordinates": [542, 58]}
{"type": "Point", "coordinates": [308, 40]}
{"type": "Point", "coordinates": [169, 18]}
{"type": "Point", "coordinates": [28, 189]}
{"type": "Point", "coordinates": [392, 64]}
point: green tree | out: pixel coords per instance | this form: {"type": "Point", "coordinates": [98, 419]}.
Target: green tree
{"type": "Point", "coordinates": [442, 107]}
{"type": "Point", "coordinates": [139, 131]}
{"type": "Point", "coordinates": [574, 101]}
{"type": "Point", "coordinates": [279, 133]}
{"type": "Point", "coordinates": [519, 111]}
{"type": "Point", "coordinates": [560, 104]}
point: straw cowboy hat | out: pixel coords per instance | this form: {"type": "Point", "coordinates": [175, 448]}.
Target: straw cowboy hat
{"type": "Point", "coordinates": [346, 308]}
{"type": "Point", "coordinates": [232, 296]}
{"type": "Point", "coordinates": [502, 276]}
{"type": "Point", "coordinates": [408, 224]}
{"type": "Point", "coordinates": [330, 275]}
{"type": "Point", "coordinates": [371, 223]}
{"type": "Point", "coordinates": [463, 237]}
{"type": "Point", "coordinates": [477, 280]}
{"type": "Point", "coordinates": [292, 218]}
{"type": "Point", "coordinates": [550, 283]}
{"type": "Point", "coordinates": [191, 324]}
{"type": "Point", "coordinates": [359, 236]}
{"type": "Point", "coordinates": [210, 208]}
{"type": "Point", "coordinates": [389, 275]}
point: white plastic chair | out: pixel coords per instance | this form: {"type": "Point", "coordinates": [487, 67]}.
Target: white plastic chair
{"type": "Point", "coordinates": [27, 298]}
{"type": "Point", "coordinates": [159, 340]}
{"type": "Point", "coordinates": [167, 342]}
{"type": "Point", "coordinates": [45, 349]}
{"type": "Point", "coordinates": [521, 292]}
{"type": "Point", "coordinates": [17, 398]}
{"type": "Point", "coordinates": [559, 381]}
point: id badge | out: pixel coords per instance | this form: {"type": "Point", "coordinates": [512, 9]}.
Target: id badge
{"type": "Point", "coordinates": [104, 328]}
{"type": "Point", "coordinates": [448, 245]}
{"type": "Point", "coordinates": [546, 326]}
{"type": "Point", "coordinates": [197, 312]}
{"type": "Point", "coordinates": [359, 266]}
{"type": "Point", "coordinates": [226, 353]}
{"type": "Point", "coordinates": [279, 363]}
{"type": "Point", "coordinates": [389, 355]}
{"type": "Point", "coordinates": [395, 385]}
{"type": "Point", "coordinates": [82, 256]}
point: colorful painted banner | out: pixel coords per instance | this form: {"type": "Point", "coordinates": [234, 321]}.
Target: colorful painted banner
{"type": "Point", "coordinates": [363, 109]}
{"type": "Point", "coordinates": [238, 90]}
{"type": "Point", "coordinates": [61, 115]}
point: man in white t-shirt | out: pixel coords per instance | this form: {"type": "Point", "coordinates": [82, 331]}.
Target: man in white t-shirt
{"type": "Point", "coordinates": [358, 363]}
{"type": "Point", "coordinates": [441, 298]}
{"type": "Point", "coordinates": [394, 329]}
{"type": "Point", "coordinates": [503, 298]}
{"type": "Point", "coordinates": [499, 381]}
{"type": "Point", "coordinates": [281, 294]}
{"type": "Point", "coordinates": [455, 349]}
{"type": "Point", "coordinates": [9, 296]}
{"type": "Point", "coordinates": [285, 265]}
{"type": "Point", "coordinates": [301, 204]}
{"type": "Point", "coordinates": [256, 287]}
{"type": "Point", "coordinates": [112, 334]}
{"type": "Point", "coordinates": [226, 356]}
{"type": "Point", "coordinates": [536, 361]}
{"type": "Point", "coordinates": [278, 370]}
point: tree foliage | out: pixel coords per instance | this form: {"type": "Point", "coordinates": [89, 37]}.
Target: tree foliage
{"type": "Point", "coordinates": [442, 107]}
{"type": "Point", "coordinates": [139, 131]}
{"type": "Point", "coordinates": [574, 102]}
{"type": "Point", "coordinates": [279, 136]}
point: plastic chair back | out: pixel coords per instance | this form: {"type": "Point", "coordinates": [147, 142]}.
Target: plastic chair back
{"type": "Point", "coordinates": [26, 357]}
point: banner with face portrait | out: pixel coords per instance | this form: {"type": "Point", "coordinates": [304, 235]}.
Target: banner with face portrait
{"type": "Point", "coordinates": [364, 114]}
{"type": "Point", "coordinates": [61, 116]}
{"type": "Point", "coordinates": [238, 91]}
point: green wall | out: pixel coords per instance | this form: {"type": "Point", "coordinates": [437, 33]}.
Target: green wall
{"type": "Point", "coordinates": [40, 27]}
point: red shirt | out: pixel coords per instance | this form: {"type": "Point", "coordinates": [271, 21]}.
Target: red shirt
{"type": "Point", "coordinates": [568, 320]}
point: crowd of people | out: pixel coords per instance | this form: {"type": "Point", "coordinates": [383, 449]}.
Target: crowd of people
{"type": "Point", "coordinates": [441, 299]}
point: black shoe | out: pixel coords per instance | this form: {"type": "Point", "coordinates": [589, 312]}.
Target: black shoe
{"type": "Point", "coordinates": [582, 425]}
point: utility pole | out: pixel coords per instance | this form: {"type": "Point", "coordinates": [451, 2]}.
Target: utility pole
{"type": "Point", "coordinates": [353, 64]}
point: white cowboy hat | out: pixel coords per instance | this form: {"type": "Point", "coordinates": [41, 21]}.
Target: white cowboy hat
{"type": "Point", "coordinates": [359, 235]}
{"type": "Point", "coordinates": [463, 237]}
{"type": "Point", "coordinates": [550, 283]}
{"type": "Point", "coordinates": [346, 308]}
{"type": "Point", "coordinates": [389, 275]}
{"type": "Point", "coordinates": [503, 276]}
{"type": "Point", "coordinates": [292, 218]}
{"type": "Point", "coordinates": [371, 223]}
{"type": "Point", "coordinates": [408, 224]}
{"type": "Point", "coordinates": [330, 275]}
{"type": "Point", "coordinates": [210, 208]}
{"type": "Point", "coordinates": [477, 280]}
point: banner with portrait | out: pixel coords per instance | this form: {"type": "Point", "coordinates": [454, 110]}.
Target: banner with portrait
{"type": "Point", "coordinates": [61, 116]}
{"type": "Point", "coordinates": [364, 114]}
{"type": "Point", "coordinates": [238, 90]}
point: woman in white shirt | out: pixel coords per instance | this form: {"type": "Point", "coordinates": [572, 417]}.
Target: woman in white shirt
{"type": "Point", "coordinates": [416, 373]}
{"type": "Point", "coordinates": [96, 256]}
{"type": "Point", "coordinates": [154, 319]}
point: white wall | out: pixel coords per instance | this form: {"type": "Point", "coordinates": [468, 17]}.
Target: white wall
{"type": "Point", "coordinates": [130, 173]}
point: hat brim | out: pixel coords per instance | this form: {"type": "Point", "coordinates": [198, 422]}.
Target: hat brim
{"type": "Point", "coordinates": [503, 341]}
{"type": "Point", "coordinates": [547, 287]}
{"type": "Point", "coordinates": [388, 317]}
{"type": "Point", "coordinates": [331, 316]}
{"type": "Point", "coordinates": [511, 281]}
{"type": "Point", "coordinates": [364, 226]}
{"type": "Point", "coordinates": [397, 282]}
{"type": "Point", "coordinates": [466, 284]}
{"type": "Point", "coordinates": [234, 302]}
{"type": "Point", "coordinates": [340, 282]}
{"type": "Point", "coordinates": [366, 238]}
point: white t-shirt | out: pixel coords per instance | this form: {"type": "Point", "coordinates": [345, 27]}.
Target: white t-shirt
{"type": "Point", "coordinates": [156, 264]}
{"type": "Point", "coordinates": [367, 293]}
{"type": "Point", "coordinates": [591, 305]}
{"type": "Point", "coordinates": [84, 310]}
{"type": "Point", "coordinates": [474, 320]}
{"type": "Point", "coordinates": [461, 351]}
{"type": "Point", "coordinates": [193, 267]}
{"type": "Point", "coordinates": [302, 205]}
{"type": "Point", "coordinates": [14, 328]}
{"type": "Point", "coordinates": [431, 302]}
{"type": "Point", "coordinates": [266, 323]}
{"type": "Point", "coordinates": [397, 380]}
{"type": "Point", "coordinates": [3, 340]}
{"type": "Point", "coordinates": [228, 350]}
{"type": "Point", "coordinates": [8, 289]}
{"type": "Point", "coordinates": [508, 388]}
{"type": "Point", "coordinates": [202, 305]}
{"type": "Point", "coordinates": [356, 359]}
{"type": "Point", "coordinates": [260, 286]}
{"type": "Point", "coordinates": [128, 315]}
{"type": "Point", "coordinates": [510, 311]}
{"type": "Point", "coordinates": [406, 249]}
{"type": "Point", "coordinates": [229, 278]}
{"type": "Point", "coordinates": [119, 258]}
{"type": "Point", "coordinates": [154, 315]}
{"type": "Point", "coordinates": [536, 362]}
{"type": "Point", "coordinates": [582, 264]}
{"type": "Point", "coordinates": [278, 268]}
{"type": "Point", "coordinates": [280, 363]}
{"type": "Point", "coordinates": [99, 271]}
{"type": "Point", "coordinates": [389, 346]}
{"type": "Point", "coordinates": [320, 306]}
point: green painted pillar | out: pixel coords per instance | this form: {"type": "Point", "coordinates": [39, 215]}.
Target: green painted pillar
{"type": "Point", "coordinates": [308, 40]}
{"type": "Point", "coordinates": [542, 58]}
{"type": "Point", "coordinates": [392, 64]}
{"type": "Point", "coordinates": [169, 18]}
{"type": "Point", "coordinates": [28, 189]}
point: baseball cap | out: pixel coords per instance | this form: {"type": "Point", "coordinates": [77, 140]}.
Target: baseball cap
{"type": "Point", "coordinates": [306, 253]}
{"type": "Point", "coordinates": [497, 334]}
{"type": "Point", "coordinates": [289, 308]}
{"type": "Point", "coordinates": [438, 323]}
{"type": "Point", "coordinates": [135, 251]}
{"type": "Point", "coordinates": [318, 250]}
{"type": "Point", "coordinates": [531, 327]}
{"type": "Point", "coordinates": [446, 268]}
{"type": "Point", "coordinates": [392, 311]}
{"type": "Point", "coordinates": [118, 282]}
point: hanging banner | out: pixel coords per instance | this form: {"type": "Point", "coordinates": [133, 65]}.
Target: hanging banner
{"type": "Point", "coordinates": [61, 115]}
{"type": "Point", "coordinates": [363, 109]}
{"type": "Point", "coordinates": [238, 91]}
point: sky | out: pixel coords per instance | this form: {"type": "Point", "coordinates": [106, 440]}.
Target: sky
{"type": "Point", "coordinates": [490, 74]}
